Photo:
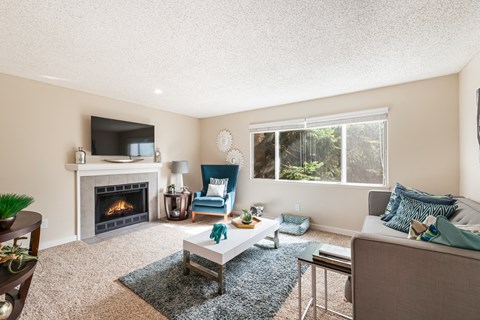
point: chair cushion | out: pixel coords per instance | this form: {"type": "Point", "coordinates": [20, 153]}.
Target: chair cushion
{"type": "Point", "coordinates": [374, 225]}
{"type": "Point", "coordinates": [209, 201]}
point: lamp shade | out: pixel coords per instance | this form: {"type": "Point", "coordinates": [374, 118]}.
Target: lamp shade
{"type": "Point", "coordinates": [180, 166]}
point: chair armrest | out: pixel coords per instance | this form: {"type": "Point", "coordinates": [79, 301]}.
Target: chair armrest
{"type": "Point", "coordinates": [197, 194]}
{"type": "Point", "coordinates": [395, 278]}
{"type": "Point", "coordinates": [377, 202]}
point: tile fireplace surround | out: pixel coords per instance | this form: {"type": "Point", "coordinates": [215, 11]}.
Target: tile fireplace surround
{"type": "Point", "coordinates": [91, 175]}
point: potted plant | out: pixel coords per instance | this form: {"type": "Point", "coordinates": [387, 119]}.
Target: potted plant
{"type": "Point", "coordinates": [246, 216]}
{"type": "Point", "coordinates": [14, 256]}
{"type": "Point", "coordinates": [171, 188]}
{"type": "Point", "coordinates": [10, 205]}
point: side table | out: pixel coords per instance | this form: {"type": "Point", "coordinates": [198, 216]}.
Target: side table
{"type": "Point", "coordinates": [306, 257]}
{"type": "Point", "coordinates": [176, 205]}
{"type": "Point", "coordinates": [16, 286]}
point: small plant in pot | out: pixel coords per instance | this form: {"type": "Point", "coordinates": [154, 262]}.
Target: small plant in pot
{"type": "Point", "coordinates": [246, 216]}
{"type": "Point", "coordinates": [171, 188]}
{"type": "Point", "coordinates": [15, 257]}
{"type": "Point", "coordinates": [10, 205]}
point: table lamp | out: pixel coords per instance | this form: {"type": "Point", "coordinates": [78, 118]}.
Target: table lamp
{"type": "Point", "coordinates": [180, 167]}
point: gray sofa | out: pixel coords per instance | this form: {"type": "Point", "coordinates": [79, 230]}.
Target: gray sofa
{"type": "Point", "coordinates": [398, 278]}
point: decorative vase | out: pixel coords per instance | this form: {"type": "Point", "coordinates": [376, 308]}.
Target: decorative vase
{"type": "Point", "coordinates": [80, 156]}
{"type": "Point", "coordinates": [246, 216]}
{"type": "Point", "coordinates": [7, 223]}
{"type": "Point", "coordinates": [158, 156]}
{"type": "Point", "coordinates": [6, 308]}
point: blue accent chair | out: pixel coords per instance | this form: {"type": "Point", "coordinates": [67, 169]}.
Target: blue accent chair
{"type": "Point", "coordinates": [216, 206]}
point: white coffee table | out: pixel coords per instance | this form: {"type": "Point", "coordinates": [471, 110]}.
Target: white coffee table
{"type": "Point", "coordinates": [238, 240]}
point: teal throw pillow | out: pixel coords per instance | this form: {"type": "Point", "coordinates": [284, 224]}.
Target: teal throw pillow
{"type": "Point", "coordinates": [393, 196]}
{"type": "Point", "coordinates": [449, 235]}
{"type": "Point", "coordinates": [412, 193]}
{"type": "Point", "coordinates": [411, 209]}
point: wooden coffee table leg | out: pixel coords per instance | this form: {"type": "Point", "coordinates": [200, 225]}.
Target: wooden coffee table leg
{"type": "Point", "coordinates": [221, 279]}
{"type": "Point", "coordinates": [186, 262]}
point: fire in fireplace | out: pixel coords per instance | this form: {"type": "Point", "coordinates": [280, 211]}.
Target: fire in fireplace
{"type": "Point", "coordinates": [121, 205]}
{"type": "Point", "coordinates": [119, 208]}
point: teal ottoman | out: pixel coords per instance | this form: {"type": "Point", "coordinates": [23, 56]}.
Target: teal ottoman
{"type": "Point", "coordinates": [291, 224]}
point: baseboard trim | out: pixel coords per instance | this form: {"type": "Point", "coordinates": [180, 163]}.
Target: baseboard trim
{"type": "Point", "coordinates": [54, 243]}
{"type": "Point", "coordinates": [345, 232]}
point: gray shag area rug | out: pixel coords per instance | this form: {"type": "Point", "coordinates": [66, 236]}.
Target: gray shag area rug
{"type": "Point", "coordinates": [257, 283]}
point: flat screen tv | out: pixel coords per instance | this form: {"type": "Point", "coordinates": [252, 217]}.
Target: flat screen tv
{"type": "Point", "coordinates": [122, 138]}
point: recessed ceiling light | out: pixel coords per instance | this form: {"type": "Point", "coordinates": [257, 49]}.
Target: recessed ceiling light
{"type": "Point", "coordinates": [158, 91]}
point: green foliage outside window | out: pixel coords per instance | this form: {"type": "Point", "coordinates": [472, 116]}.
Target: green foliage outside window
{"type": "Point", "coordinates": [316, 154]}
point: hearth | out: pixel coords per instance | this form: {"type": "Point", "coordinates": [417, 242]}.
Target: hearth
{"type": "Point", "coordinates": [120, 205]}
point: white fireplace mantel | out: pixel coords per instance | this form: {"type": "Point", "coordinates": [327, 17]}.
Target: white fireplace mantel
{"type": "Point", "coordinates": [102, 169]}
{"type": "Point", "coordinates": [99, 169]}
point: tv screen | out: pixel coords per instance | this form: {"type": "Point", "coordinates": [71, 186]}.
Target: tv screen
{"type": "Point", "coordinates": [122, 138]}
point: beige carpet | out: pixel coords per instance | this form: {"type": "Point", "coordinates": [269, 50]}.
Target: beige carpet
{"type": "Point", "coordinates": [79, 281]}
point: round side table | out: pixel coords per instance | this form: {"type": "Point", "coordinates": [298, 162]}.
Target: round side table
{"type": "Point", "coordinates": [176, 205]}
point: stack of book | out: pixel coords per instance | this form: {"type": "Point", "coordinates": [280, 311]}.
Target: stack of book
{"type": "Point", "coordinates": [331, 254]}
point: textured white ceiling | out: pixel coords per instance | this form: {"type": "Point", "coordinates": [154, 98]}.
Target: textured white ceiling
{"type": "Point", "coordinates": [217, 57]}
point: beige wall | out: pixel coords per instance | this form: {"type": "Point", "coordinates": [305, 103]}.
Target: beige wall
{"type": "Point", "coordinates": [469, 82]}
{"type": "Point", "coordinates": [422, 149]}
{"type": "Point", "coordinates": [41, 125]}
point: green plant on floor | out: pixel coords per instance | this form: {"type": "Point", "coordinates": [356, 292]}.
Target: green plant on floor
{"type": "Point", "coordinates": [246, 216]}
{"type": "Point", "coordinates": [11, 204]}
{"type": "Point", "coordinates": [14, 256]}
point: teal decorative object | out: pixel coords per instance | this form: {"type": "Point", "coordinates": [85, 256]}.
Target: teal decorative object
{"type": "Point", "coordinates": [218, 230]}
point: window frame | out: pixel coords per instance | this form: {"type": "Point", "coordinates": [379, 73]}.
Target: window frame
{"type": "Point", "coordinates": [341, 123]}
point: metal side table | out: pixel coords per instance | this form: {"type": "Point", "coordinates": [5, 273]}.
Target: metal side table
{"type": "Point", "coordinates": [306, 257]}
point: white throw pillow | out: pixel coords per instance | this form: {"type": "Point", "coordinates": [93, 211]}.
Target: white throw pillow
{"type": "Point", "coordinates": [215, 190]}
{"type": "Point", "coordinates": [223, 181]}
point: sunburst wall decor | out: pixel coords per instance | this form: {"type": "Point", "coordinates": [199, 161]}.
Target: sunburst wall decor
{"type": "Point", "coordinates": [224, 140]}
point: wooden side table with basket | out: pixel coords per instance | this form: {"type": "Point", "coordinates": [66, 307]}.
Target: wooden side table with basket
{"type": "Point", "coordinates": [25, 222]}
{"type": "Point", "coordinates": [177, 205]}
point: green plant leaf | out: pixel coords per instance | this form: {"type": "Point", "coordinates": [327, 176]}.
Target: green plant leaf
{"type": "Point", "coordinates": [11, 204]}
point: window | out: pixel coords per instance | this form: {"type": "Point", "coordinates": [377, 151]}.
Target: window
{"type": "Point", "coordinates": [264, 151]}
{"type": "Point", "coordinates": [312, 155]}
{"type": "Point", "coordinates": [348, 148]}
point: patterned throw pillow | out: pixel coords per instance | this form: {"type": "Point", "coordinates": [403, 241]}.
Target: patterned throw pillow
{"type": "Point", "coordinates": [395, 199]}
{"type": "Point", "coordinates": [393, 196]}
{"type": "Point", "coordinates": [411, 209]}
{"type": "Point", "coordinates": [220, 181]}
{"type": "Point", "coordinates": [417, 228]}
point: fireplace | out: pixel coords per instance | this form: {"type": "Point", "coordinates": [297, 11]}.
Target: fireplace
{"type": "Point", "coordinates": [120, 205]}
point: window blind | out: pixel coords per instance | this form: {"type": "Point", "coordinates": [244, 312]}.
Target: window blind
{"type": "Point", "coordinates": [323, 121]}
{"type": "Point", "coordinates": [278, 125]}
{"type": "Point", "coordinates": [345, 118]}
